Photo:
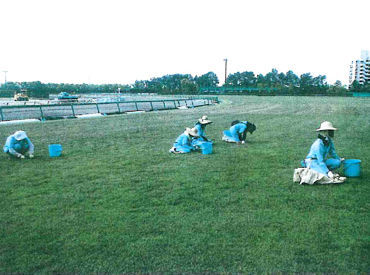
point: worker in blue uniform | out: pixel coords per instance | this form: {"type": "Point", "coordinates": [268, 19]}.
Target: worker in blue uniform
{"type": "Point", "coordinates": [183, 142]}
{"type": "Point", "coordinates": [19, 145]}
{"type": "Point", "coordinates": [322, 147]}
{"type": "Point", "coordinates": [200, 126]}
{"type": "Point", "coordinates": [238, 131]}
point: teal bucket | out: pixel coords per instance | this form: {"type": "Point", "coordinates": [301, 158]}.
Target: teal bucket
{"type": "Point", "coordinates": [55, 150]}
{"type": "Point", "coordinates": [206, 148]}
{"type": "Point", "coordinates": [352, 167]}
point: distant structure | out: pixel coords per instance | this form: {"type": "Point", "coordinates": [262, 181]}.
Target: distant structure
{"type": "Point", "coordinates": [360, 69]}
{"type": "Point", "coordinates": [5, 76]}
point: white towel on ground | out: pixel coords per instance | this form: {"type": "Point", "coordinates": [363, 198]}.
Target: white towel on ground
{"type": "Point", "coordinates": [309, 176]}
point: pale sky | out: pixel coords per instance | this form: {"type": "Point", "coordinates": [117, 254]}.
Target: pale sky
{"type": "Point", "coordinates": [120, 41]}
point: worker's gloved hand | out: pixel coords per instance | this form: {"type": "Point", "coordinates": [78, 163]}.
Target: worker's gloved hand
{"type": "Point", "coordinates": [31, 156]}
{"type": "Point", "coordinates": [330, 174]}
{"type": "Point", "coordinates": [243, 141]}
{"type": "Point", "coordinates": [21, 156]}
{"type": "Point", "coordinates": [342, 159]}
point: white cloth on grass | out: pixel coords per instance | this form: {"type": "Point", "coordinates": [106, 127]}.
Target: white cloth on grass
{"type": "Point", "coordinates": [310, 176]}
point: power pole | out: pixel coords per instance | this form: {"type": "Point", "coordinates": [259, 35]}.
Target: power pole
{"type": "Point", "coordinates": [225, 69]}
{"type": "Point", "coordinates": [5, 76]}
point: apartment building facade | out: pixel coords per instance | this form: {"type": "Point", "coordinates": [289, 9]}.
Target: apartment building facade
{"type": "Point", "coordinates": [360, 69]}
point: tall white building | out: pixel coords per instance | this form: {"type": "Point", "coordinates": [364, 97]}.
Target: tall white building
{"type": "Point", "coordinates": [360, 69]}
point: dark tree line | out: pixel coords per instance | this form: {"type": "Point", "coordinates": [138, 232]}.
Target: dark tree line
{"type": "Point", "coordinates": [42, 90]}
{"type": "Point", "coordinates": [279, 82]}
{"type": "Point", "coordinates": [355, 86]}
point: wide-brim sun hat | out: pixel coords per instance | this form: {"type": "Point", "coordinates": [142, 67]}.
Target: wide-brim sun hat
{"type": "Point", "coordinates": [19, 135]}
{"type": "Point", "coordinates": [204, 120]}
{"type": "Point", "coordinates": [326, 126]}
{"type": "Point", "coordinates": [192, 132]}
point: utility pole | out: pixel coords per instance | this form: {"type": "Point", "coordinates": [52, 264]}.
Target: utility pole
{"type": "Point", "coordinates": [225, 69]}
{"type": "Point", "coordinates": [5, 76]}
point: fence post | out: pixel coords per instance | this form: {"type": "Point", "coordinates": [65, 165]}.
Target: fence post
{"type": "Point", "coordinates": [1, 113]}
{"type": "Point", "coordinates": [137, 109]}
{"type": "Point", "coordinates": [42, 114]}
{"type": "Point", "coordinates": [174, 103]}
{"type": "Point", "coordinates": [164, 105]}
{"type": "Point", "coordinates": [73, 110]}
{"type": "Point", "coordinates": [192, 102]}
{"type": "Point", "coordinates": [119, 110]}
{"type": "Point", "coordinates": [186, 103]}
{"type": "Point", "coordinates": [97, 107]}
{"type": "Point", "coordinates": [151, 104]}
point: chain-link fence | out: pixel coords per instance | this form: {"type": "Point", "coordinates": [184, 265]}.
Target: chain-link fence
{"type": "Point", "coordinates": [56, 111]}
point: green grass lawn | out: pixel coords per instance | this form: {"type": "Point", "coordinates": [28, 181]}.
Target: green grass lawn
{"type": "Point", "coordinates": [117, 201]}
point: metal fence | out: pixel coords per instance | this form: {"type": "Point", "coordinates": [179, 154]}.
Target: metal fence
{"type": "Point", "coordinates": [74, 109]}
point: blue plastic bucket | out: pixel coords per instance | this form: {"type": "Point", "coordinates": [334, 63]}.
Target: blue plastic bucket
{"type": "Point", "coordinates": [55, 150]}
{"type": "Point", "coordinates": [206, 148]}
{"type": "Point", "coordinates": [352, 167]}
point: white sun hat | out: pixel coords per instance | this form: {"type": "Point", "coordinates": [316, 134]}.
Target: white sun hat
{"type": "Point", "coordinates": [204, 120]}
{"type": "Point", "coordinates": [326, 125]}
{"type": "Point", "coordinates": [192, 132]}
{"type": "Point", "coordinates": [19, 135]}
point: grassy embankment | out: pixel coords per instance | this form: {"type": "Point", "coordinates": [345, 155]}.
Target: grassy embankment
{"type": "Point", "coordinates": [117, 201]}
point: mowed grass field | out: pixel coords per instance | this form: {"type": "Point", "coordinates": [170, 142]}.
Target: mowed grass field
{"type": "Point", "coordinates": [118, 202]}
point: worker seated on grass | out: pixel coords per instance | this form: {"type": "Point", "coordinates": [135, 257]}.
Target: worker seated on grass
{"type": "Point", "coordinates": [320, 149]}
{"type": "Point", "coordinates": [183, 142]}
{"type": "Point", "coordinates": [238, 131]}
{"type": "Point", "coordinates": [200, 126]}
{"type": "Point", "coordinates": [19, 145]}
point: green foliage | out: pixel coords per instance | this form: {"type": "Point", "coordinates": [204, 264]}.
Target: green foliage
{"type": "Point", "coordinates": [357, 87]}
{"type": "Point", "coordinates": [281, 83]}
{"type": "Point", "coordinates": [245, 79]}
{"type": "Point", "coordinates": [118, 202]}
{"type": "Point", "coordinates": [209, 79]}
{"type": "Point", "coordinates": [284, 83]}
{"type": "Point", "coordinates": [41, 90]}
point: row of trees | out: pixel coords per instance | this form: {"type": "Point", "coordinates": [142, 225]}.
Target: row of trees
{"type": "Point", "coordinates": [176, 83]}
{"type": "Point", "coordinates": [42, 90]}
{"type": "Point", "coordinates": [185, 83]}
{"type": "Point", "coordinates": [280, 81]}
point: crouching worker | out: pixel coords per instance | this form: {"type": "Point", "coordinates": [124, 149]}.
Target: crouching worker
{"type": "Point", "coordinates": [238, 131]}
{"type": "Point", "coordinates": [200, 126]}
{"type": "Point", "coordinates": [183, 142]}
{"type": "Point", "coordinates": [317, 160]}
{"type": "Point", "coordinates": [19, 145]}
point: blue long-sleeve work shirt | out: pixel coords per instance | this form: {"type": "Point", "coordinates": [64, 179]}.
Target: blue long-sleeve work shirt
{"type": "Point", "coordinates": [183, 143]}
{"type": "Point", "coordinates": [200, 129]}
{"type": "Point", "coordinates": [15, 147]}
{"type": "Point", "coordinates": [237, 129]}
{"type": "Point", "coordinates": [319, 152]}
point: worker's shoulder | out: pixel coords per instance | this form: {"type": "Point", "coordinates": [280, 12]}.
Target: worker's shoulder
{"type": "Point", "coordinates": [318, 142]}
{"type": "Point", "coordinates": [11, 137]}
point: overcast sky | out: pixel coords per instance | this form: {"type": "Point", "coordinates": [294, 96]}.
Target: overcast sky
{"type": "Point", "coordinates": [120, 41]}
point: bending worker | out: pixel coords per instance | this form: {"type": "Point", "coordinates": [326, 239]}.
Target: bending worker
{"type": "Point", "coordinates": [238, 131]}
{"type": "Point", "coordinates": [19, 145]}
{"type": "Point", "coordinates": [320, 149]}
{"type": "Point", "coordinates": [183, 142]}
{"type": "Point", "coordinates": [200, 126]}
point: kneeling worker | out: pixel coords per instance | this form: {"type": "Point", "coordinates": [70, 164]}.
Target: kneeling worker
{"type": "Point", "coordinates": [200, 126]}
{"type": "Point", "coordinates": [238, 131]}
{"type": "Point", "coordinates": [320, 149]}
{"type": "Point", "coordinates": [19, 145]}
{"type": "Point", "coordinates": [183, 142]}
